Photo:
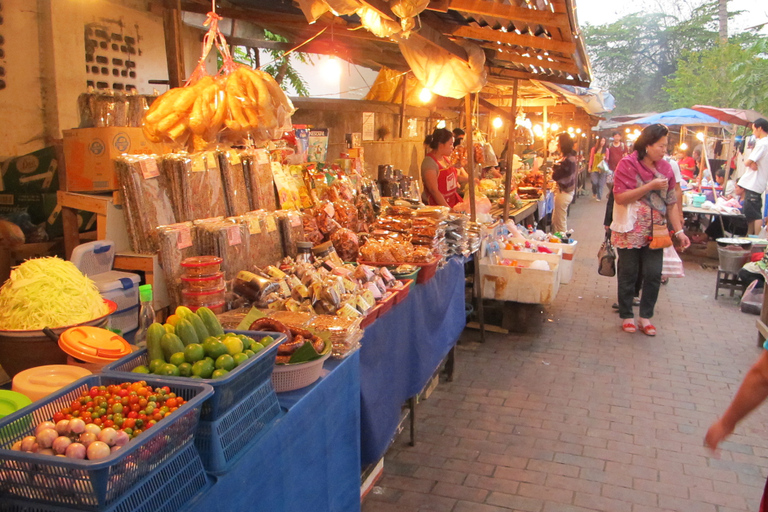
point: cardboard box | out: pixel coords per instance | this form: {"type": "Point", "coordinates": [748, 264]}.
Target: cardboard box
{"type": "Point", "coordinates": [89, 154]}
{"type": "Point", "coordinates": [44, 215]}
{"type": "Point", "coordinates": [31, 174]}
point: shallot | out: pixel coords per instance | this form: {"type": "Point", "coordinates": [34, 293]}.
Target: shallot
{"type": "Point", "coordinates": [93, 429]}
{"type": "Point", "coordinates": [46, 437]}
{"type": "Point", "coordinates": [121, 439]}
{"type": "Point", "coordinates": [44, 425]}
{"type": "Point", "coordinates": [61, 443]}
{"type": "Point", "coordinates": [98, 450]}
{"type": "Point", "coordinates": [86, 438]}
{"type": "Point", "coordinates": [108, 436]}
{"type": "Point", "coordinates": [16, 446]}
{"type": "Point", "coordinates": [77, 425]}
{"type": "Point", "coordinates": [75, 451]}
{"type": "Point", "coordinates": [46, 451]}
{"type": "Point", "coordinates": [62, 427]}
{"type": "Point", "coordinates": [27, 443]}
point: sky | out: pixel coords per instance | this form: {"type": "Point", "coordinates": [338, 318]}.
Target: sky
{"type": "Point", "coordinates": [600, 12]}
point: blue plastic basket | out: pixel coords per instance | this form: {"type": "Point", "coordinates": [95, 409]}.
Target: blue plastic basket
{"type": "Point", "coordinates": [228, 390]}
{"type": "Point", "coordinates": [97, 484]}
{"type": "Point", "coordinates": [167, 489]}
{"type": "Point", "coordinates": [222, 442]}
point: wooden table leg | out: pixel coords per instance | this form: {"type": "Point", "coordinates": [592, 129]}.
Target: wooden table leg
{"type": "Point", "coordinates": [71, 230]}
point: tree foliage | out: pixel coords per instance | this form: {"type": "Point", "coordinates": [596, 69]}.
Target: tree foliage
{"type": "Point", "coordinates": [634, 56]}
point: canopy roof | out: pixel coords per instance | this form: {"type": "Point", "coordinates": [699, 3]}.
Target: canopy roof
{"type": "Point", "coordinates": [681, 117]}
{"type": "Point", "coordinates": [742, 117]}
{"type": "Point", "coordinates": [526, 39]}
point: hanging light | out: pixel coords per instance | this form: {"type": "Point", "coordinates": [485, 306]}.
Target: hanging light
{"type": "Point", "coordinates": [626, 130]}
{"type": "Point", "coordinates": [425, 95]}
{"type": "Point", "coordinates": [538, 130]}
{"type": "Point", "coordinates": [497, 122]}
{"type": "Point", "coordinates": [573, 135]}
{"type": "Point", "coordinates": [700, 136]}
{"type": "Point", "coordinates": [555, 127]}
{"type": "Point", "coordinates": [578, 130]}
{"type": "Point", "coordinates": [332, 68]}
{"type": "Point", "coordinates": [570, 129]}
{"type": "Point", "coordinates": [441, 123]}
{"type": "Point", "coordinates": [683, 146]}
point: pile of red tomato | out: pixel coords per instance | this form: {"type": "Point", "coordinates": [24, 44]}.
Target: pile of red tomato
{"type": "Point", "coordinates": [131, 406]}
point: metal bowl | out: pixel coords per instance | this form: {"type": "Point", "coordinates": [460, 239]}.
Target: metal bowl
{"type": "Point", "coordinates": [744, 243]}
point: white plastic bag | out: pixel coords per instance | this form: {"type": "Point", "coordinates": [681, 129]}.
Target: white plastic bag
{"type": "Point", "coordinates": [672, 265]}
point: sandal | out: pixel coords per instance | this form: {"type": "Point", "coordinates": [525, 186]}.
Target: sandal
{"type": "Point", "coordinates": [629, 325]}
{"type": "Point", "coordinates": [648, 330]}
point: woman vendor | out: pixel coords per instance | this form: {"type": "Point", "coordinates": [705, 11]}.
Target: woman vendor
{"type": "Point", "coordinates": [644, 195]}
{"type": "Point", "coordinates": [564, 174]}
{"type": "Point", "coordinates": [441, 179]}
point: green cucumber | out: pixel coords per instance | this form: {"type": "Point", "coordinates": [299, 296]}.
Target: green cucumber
{"type": "Point", "coordinates": [170, 344]}
{"type": "Point", "coordinates": [155, 332]}
{"type": "Point", "coordinates": [210, 321]}
{"type": "Point", "coordinates": [186, 332]}
{"type": "Point", "coordinates": [200, 329]}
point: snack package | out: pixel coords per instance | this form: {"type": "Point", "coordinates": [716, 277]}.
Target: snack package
{"type": "Point", "coordinates": [346, 244]}
{"type": "Point", "coordinates": [291, 231]}
{"type": "Point", "coordinates": [147, 200]}
{"type": "Point", "coordinates": [264, 239]}
{"type": "Point", "coordinates": [259, 181]}
{"type": "Point", "coordinates": [177, 242]}
{"type": "Point", "coordinates": [202, 191]}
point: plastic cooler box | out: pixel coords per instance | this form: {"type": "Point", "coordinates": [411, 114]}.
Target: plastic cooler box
{"type": "Point", "coordinates": [99, 484]}
{"type": "Point", "coordinates": [228, 390]}
{"type": "Point", "coordinates": [168, 488]}
{"type": "Point", "coordinates": [95, 259]}
{"type": "Point", "coordinates": [521, 284]}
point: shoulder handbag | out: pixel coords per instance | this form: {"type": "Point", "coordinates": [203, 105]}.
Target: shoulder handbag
{"type": "Point", "coordinates": [606, 258]}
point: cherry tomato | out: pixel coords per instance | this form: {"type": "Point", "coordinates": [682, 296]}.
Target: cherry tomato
{"type": "Point", "coordinates": [133, 415]}
{"type": "Point", "coordinates": [171, 402]}
{"type": "Point", "coordinates": [58, 417]}
{"type": "Point", "coordinates": [97, 421]}
{"type": "Point", "coordinates": [107, 423]}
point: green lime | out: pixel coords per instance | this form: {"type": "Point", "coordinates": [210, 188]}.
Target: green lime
{"type": "Point", "coordinates": [234, 345]}
{"type": "Point", "coordinates": [240, 358]}
{"type": "Point", "coordinates": [169, 369]}
{"type": "Point", "coordinates": [202, 369]}
{"type": "Point", "coordinates": [155, 364]}
{"type": "Point", "coordinates": [221, 372]}
{"type": "Point", "coordinates": [225, 361]}
{"type": "Point", "coordinates": [256, 347]}
{"type": "Point", "coordinates": [177, 358]}
{"type": "Point", "coordinates": [214, 348]}
{"type": "Point", "coordinates": [266, 340]}
{"type": "Point", "coordinates": [245, 339]}
{"type": "Point", "coordinates": [140, 369]}
{"type": "Point", "coordinates": [194, 352]}
{"type": "Point", "coordinates": [250, 353]}
{"type": "Point", "coordinates": [185, 370]}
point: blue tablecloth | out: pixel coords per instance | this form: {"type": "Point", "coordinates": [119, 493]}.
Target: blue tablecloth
{"type": "Point", "coordinates": [309, 460]}
{"type": "Point", "coordinates": [401, 351]}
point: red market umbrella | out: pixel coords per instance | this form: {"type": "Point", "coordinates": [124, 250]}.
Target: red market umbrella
{"type": "Point", "coordinates": [743, 117]}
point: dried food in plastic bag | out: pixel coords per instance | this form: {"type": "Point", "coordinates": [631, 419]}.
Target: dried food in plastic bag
{"type": "Point", "coordinates": [233, 180]}
{"type": "Point", "coordinates": [346, 244]}
{"type": "Point", "coordinates": [228, 238]}
{"type": "Point", "coordinates": [174, 165]}
{"type": "Point", "coordinates": [202, 191]}
{"type": "Point", "coordinates": [259, 179]}
{"type": "Point", "coordinates": [147, 200]}
{"type": "Point", "coordinates": [264, 238]}
{"type": "Point", "coordinates": [324, 216]}
{"type": "Point", "coordinates": [399, 211]}
{"type": "Point", "coordinates": [177, 242]}
{"type": "Point", "coordinates": [291, 231]}
{"type": "Point", "coordinates": [311, 231]}
{"type": "Point", "coordinates": [346, 215]}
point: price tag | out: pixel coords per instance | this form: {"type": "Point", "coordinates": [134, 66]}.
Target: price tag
{"type": "Point", "coordinates": [185, 238]}
{"type": "Point", "coordinates": [295, 219]}
{"type": "Point", "coordinates": [198, 163]}
{"type": "Point", "coordinates": [211, 162]}
{"type": "Point", "coordinates": [234, 158]}
{"type": "Point", "coordinates": [149, 168]}
{"type": "Point", "coordinates": [271, 225]}
{"type": "Point", "coordinates": [233, 235]}
{"type": "Point", "coordinates": [330, 210]}
{"type": "Point", "coordinates": [254, 227]}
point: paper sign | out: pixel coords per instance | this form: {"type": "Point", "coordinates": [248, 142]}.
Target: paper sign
{"type": "Point", "coordinates": [254, 227]}
{"type": "Point", "coordinates": [233, 235]}
{"type": "Point", "coordinates": [233, 157]}
{"type": "Point", "coordinates": [149, 168]}
{"type": "Point", "coordinates": [198, 163]}
{"type": "Point", "coordinates": [368, 125]}
{"type": "Point", "coordinates": [271, 225]}
{"type": "Point", "coordinates": [185, 238]}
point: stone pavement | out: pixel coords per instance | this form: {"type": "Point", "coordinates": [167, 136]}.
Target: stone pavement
{"type": "Point", "coordinates": [576, 415]}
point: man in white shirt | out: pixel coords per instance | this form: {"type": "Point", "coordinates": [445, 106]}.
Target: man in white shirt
{"type": "Point", "coordinates": [755, 178]}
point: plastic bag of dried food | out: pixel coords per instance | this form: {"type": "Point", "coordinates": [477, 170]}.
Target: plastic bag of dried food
{"type": "Point", "coordinates": [177, 242]}
{"type": "Point", "coordinates": [147, 200]}
{"type": "Point", "coordinates": [264, 238]}
{"type": "Point", "coordinates": [233, 178]}
{"type": "Point", "coordinates": [228, 239]}
{"type": "Point", "coordinates": [365, 212]}
{"type": "Point", "coordinates": [291, 231]}
{"type": "Point", "coordinates": [346, 215]}
{"type": "Point", "coordinates": [138, 104]}
{"type": "Point", "coordinates": [324, 216]}
{"type": "Point", "coordinates": [259, 179]}
{"type": "Point", "coordinates": [201, 187]}
{"type": "Point", "coordinates": [311, 231]}
{"type": "Point", "coordinates": [174, 165]}
{"type": "Point", "coordinates": [346, 244]}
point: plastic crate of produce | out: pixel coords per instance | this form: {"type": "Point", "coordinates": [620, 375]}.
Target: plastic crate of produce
{"type": "Point", "coordinates": [94, 484]}
{"type": "Point", "coordinates": [167, 489]}
{"type": "Point", "coordinates": [228, 390]}
{"type": "Point", "coordinates": [222, 442]}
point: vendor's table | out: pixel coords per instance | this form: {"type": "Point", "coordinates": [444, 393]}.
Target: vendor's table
{"type": "Point", "coordinates": [309, 460]}
{"type": "Point", "coordinates": [694, 210]}
{"type": "Point", "coordinates": [519, 214]}
{"type": "Point", "coordinates": [401, 351]}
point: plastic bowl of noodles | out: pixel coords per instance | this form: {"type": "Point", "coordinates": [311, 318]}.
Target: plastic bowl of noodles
{"type": "Point", "coordinates": [20, 350]}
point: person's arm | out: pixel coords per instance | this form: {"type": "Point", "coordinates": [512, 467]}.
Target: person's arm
{"type": "Point", "coordinates": [752, 392]}
{"type": "Point", "coordinates": [591, 158]}
{"type": "Point", "coordinates": [674, 212]}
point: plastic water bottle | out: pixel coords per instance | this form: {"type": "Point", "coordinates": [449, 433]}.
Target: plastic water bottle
{"type": "Point", "coordinates": [146, 315]}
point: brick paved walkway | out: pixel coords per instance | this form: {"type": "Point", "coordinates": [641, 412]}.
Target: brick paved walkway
{"type": "Point", "coordinates": [576, 415]}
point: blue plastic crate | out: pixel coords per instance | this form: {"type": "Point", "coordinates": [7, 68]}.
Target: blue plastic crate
{"type": "Point", "coordinates": [85, 484]}
{"type": "Point", "coordinates": [167, 489]}
{"type": "Point", "coordinates": [228, 390]}
{"type": "Point", "coordinates": [222, 442]}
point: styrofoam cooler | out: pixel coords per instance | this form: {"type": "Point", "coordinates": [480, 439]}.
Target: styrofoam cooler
{"type": "Point", "coordinates": [95, 259]}
{"type": "Point", "coordinates": [566, 266]}
{"type": "Point", "coordinates": [521, 284]}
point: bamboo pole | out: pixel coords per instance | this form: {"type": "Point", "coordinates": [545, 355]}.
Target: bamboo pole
{"type": "Point", "coordinates": [510, 151]}
{"type": "Point", "coordinates": [476, 285]}
{"type": "Point", "coordinates": [404, 82]}
{"type": "Point", "coordinates": [174, 48]}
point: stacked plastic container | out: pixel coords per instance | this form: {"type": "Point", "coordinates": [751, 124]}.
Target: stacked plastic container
{"type": "Point", "coordinates": [203, 283]}
{"type": "Point", "coordinates": [95, 259]}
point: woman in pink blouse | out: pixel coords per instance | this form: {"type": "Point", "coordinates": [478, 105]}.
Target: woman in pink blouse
{"type": "Point", "coordinates": [643, 190]}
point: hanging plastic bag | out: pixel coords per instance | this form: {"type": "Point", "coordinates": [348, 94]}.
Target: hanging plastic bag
{"type": "Point", "coordinates": [672, 264]}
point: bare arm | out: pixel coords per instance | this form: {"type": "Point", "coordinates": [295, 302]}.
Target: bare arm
{"type": "Point", "coordinates": [752, 392]}
{"type": "Point", "coordinates": [674, 212]}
